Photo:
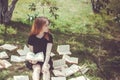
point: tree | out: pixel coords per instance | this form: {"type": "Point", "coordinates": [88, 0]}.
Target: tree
{"type": "Point", "coordinates": [98, 5]}
{"type": "Point", "coordinates": [6, 10]}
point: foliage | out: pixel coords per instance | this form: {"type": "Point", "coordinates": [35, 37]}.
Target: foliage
{"type": "Point", "coordinates": [109, 7]}
{"type": "Point", "coordinates": [9, 31]}
{"type": "Point", "coordinates": [35, 8]}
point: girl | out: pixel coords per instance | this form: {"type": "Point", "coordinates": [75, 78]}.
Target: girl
{"type": "Point", "coordinates": [40, 40]}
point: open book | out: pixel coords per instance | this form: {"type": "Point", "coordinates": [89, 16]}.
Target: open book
{"type": "Point", "coordinates": [69, 59]}
{"type": "Point", "coordinates": [80, 78]}
{"type": "Point", "coordinates": [8, 47]}
{"type": "Point", "coordinates": [35, 57]}
{"type": "Point", "coordinates": [71, 70]}
{"type": "Point", "coordinates": [58, 73]}
{"type": "Point", "coordinates": [59, 64]}
{"type": "Point", "coordinates": [58, 78]}
{"type": "Point", "coordinates": [15, 58]}
{"type": "Point", "coordinates": [3, 55]}
{"type": "Point", "coordinates": [52, 54]}
{"type": "Point", "coordinates": [22, 77]}
{"type": "Point", "coordinates": [63, 49]}
{"type": "Point", "coordinates": [5, 63]}
{"type": "Point", "coordinates": [23, 51]}
{"type": "Point", "coordinates": [84, 69]}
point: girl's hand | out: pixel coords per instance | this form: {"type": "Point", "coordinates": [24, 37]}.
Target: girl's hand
{"type": "Point", "coordinates": [33, 62]}
{"type": "Point", "coordinates": [30, 61]}
{"type": "Point", "coordinates": [45, 67]}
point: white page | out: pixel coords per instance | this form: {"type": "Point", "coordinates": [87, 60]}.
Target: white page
{"type": "Point", "coordinates": [58, 73]}
{"type": "Point", "coordinates": [21, 77]}
{"type": "Point", "coordinates": [69, 59]}
{"type": "Point", "coordinates": [59, 64]}
{"type": "Point", "coordinates": [36, 57]}
{"type": "Point", "coordinates": [8, 47]}
{"type": "Point", "coordinates": [71, 70]}
{"type": "Point", "coordinates": [52, 54]}
{"type": "Point", "coordinates": [6, 63]}
{"type": "Point", "coordinates": [3, 55]}
{"type": "Point", "coordinates": [73, 60]}
{"type": "Point", "coordinates": [84, 70]}
{"type": "Point", "coordinates": [23, 51]}
{"type": "Point", "coordinates": [58, 78]}
{"type": "Point", "coordinates": [80, 78]}
{"type": "Point", "coordinates": [15, 58]}
{"type": "Point", "coordinates": [63, 49]}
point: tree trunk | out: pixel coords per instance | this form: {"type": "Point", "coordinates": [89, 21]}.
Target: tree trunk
{"type": "Point", "coordinates": [95, 6]}
{"type": "Point", "coordinates": [6, 11]}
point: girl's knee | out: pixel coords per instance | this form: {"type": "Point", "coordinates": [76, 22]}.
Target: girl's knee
{"type": "Point", "coordinates": [46, 71]}
{"type": "Point", "coordinates": [36, 68]}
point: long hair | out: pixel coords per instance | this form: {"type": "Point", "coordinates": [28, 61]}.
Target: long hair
{"type": "Point", "coordinates": [38, 23]}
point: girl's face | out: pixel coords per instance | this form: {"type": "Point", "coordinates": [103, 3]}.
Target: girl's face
{"type": "Point", "coordinates": [45, 28]}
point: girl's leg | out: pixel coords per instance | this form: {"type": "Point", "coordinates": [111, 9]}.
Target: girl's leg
{"type": "Point", "coordinates": [46, 74]}
{"type": "Point", "coordinates": [36, 72]}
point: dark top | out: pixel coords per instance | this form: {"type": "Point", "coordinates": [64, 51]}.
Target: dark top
{"type": "Point", "coordinates": [39, 44]}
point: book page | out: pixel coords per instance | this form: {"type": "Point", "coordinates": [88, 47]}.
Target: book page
{"type": "Point", "coordinates": [69, 59]}
{"type": "Point", "coordinates": [3, 55]}
{"type": "Point", "coordinates": [22, 77]}
{"type": "Point", "coordinates": [63, 49]}
{"type": "Point", "coordinates": [80, 78]}
{"type": "Point", "coordinates": [58, 73]}
{"type": "Point", "coordinates": [58, 78]}
{"type": "Point", "coordinates": [52, 54]}
{"type": "Point", "coordinates": [8, 47]}
{"type": "Point", "coordinates": [6, 63]}
{"type": "Point", "coordinates": [60, 63]}
{"type": "Point", "coordinates": [84, 70]}
{"type": "Point", "coordinates": [26, 48]}
{"type": "Point", "coordinates": [73, 60]}
{"type": "Point", "coordinates": [23, 51]}
{"type": "Point", "coordinates": [71, 70]}
{"type": "Point", "coordinates": [36, 57]}
{"type": "Point", "coordinates": [15, 58]}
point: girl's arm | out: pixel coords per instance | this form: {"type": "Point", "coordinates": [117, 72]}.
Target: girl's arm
{"type": "Point", "coordinates": [48, 51]}
{"type": "Point", "coordinates": [30, 47]}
